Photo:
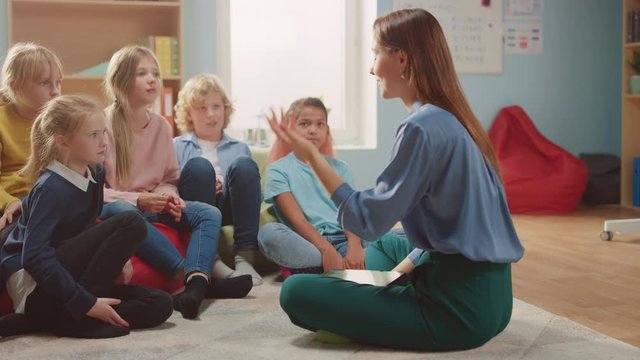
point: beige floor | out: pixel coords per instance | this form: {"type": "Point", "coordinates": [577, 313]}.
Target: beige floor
{"type": "Point", "coordinates": [569, 271]}
{"type": "Point", "coordinates": [255, 328]}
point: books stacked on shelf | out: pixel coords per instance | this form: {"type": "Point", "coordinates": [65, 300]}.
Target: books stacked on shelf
{"type": "Point", "coordinates": [167, 50]}
{"type": "Point", "coordinates": [164, 107]}
{"type": "Point", "coordinates": [633, 26]}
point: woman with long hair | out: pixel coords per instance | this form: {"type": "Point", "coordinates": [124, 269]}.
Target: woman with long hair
{"type": "Point", "coordinates": [443, 184]}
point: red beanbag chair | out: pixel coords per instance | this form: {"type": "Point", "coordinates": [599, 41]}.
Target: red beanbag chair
{"type": "Point", "coordinates": [539, 176]}
{"type": "Point", "coordinates": [6, 306]}
{"type": "Point", "coordinates": [145, 275]}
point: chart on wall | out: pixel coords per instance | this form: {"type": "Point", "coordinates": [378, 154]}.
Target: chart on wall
{"type": "Point", "coordinates": [523, 26]}
{"type": "Point", "coordinates": [473, 29]}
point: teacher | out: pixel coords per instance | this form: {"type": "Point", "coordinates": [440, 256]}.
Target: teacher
{"type": "Point", "coordinates": [443, 184]}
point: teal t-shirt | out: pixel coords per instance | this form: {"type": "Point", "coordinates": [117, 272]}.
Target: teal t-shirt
{"type": "Point", "coordinates": [291, 175]}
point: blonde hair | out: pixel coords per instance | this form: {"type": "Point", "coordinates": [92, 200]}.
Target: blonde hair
{"type": "Point", "coordinates": [280, 149]}
{"type": "Point", "coordinates": [60, 116]}
{"type": "Point", "coordinates": [120, 78]}
{"type": "Point", "coordinates": [191, 95]}
{"type": "Point", "coordinates": [24, 62]}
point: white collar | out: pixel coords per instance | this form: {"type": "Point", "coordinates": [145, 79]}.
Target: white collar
{"type": "Point", "coordinates": [71, 176]}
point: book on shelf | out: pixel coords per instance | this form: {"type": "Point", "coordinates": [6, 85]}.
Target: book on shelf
{"type": "Point", "coordinates": [633, 26]}
{"type": "Point", "coordinates": [167, 50]}
{"type": "Point", "coordinates": [175, 56]}
{"type": "Point", "coordinates": [163, 53]}
{"type": "Point", "coordinates": [164, 106]}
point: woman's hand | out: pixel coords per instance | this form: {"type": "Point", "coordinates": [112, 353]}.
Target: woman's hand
{"type": "Point", "coordinates": [405, 266]}
{"type": "Point", "coordinates": [303, 148]}
{"type": "Point", "coordinates": [152, 202]}
{"type": "Point", "coordinates": [103, 310]}
{"type": "Point", "coordinates": [355, 256]}
{"type": "Point", "coordinates": [331, 259]}
{"type": "Point", "coordinates": [12, 210]}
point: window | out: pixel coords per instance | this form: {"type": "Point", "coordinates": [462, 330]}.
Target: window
{"type": "Point", "coordinates": [272, 52]}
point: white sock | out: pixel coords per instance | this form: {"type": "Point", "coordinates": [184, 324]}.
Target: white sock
{"type": "Point", "coordinates": [221, 270]}
{"type": "Point", "coordinates": [244, 266]}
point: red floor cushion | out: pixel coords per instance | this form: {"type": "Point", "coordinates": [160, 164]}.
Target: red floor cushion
{"type": "Point", "coordinates": [539, 176]}
{"type": "Point", "coordinates": [143, 274]}
{"type": "Point", "coordinates": [6, 306]}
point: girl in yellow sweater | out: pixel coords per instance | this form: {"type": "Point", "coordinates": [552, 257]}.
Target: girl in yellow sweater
{"type": "Point", "coordinates": [31, 77]}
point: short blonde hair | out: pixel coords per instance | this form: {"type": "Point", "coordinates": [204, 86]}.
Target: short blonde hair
{"type": "Point", "coordinates": [191, 95]}
{"type": "Point", "coordinates": [23, 63]}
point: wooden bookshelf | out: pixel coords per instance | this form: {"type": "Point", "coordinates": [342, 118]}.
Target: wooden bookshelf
{"type": "Point", "coordinates": [85, 33]}
{"type": "Point", "coordinates": [630, 137]}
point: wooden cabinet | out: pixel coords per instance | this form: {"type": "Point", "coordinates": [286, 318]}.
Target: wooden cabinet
{"type": "Point", "coordinates": [85, 33]}
{"type": "Point", "coordinates": [630, 137]}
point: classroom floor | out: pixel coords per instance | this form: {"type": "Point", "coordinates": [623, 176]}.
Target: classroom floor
{"type": "Point", "coordinates": [569, 271]}
{"type": "Point", "coordinates": [256, 328]}
{"type": "Point", "coordinates": [568, 277]}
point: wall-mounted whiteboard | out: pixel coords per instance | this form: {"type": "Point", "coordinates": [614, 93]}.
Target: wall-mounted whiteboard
{"type": "Point", "coordinates": [473, 29]}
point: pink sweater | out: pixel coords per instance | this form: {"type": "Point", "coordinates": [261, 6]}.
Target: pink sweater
{"type": "Point", "coordinates": [154, 167]}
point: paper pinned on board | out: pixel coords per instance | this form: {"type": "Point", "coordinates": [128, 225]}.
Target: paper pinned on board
{"type": "Point", "coordinates": [523, 38]}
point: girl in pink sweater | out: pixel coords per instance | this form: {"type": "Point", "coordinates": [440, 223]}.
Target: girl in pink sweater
{"type": "Point", "coordinates": [142, 176]}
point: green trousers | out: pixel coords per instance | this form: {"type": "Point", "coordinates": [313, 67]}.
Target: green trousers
{"type": "Point", "coordinates": [452, 303]}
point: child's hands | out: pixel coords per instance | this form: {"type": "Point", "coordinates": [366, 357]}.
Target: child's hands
{"type": "Point", "coordinates": [174, 206]}
{"type": "Point", "coordinates": [12, 210]}
{"type": "Point", "coordinates": [152, 202]}
{"type": "Point", "coordinates": [355, 256]}
{"type": "Point", "coordinates": [331, 259]}
{"type": "Point", "coordinates": [218, 185]}
{"type": "Point", "coordinates": [103, 310]}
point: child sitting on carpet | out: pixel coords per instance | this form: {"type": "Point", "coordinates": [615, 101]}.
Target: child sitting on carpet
{"type": "Point", "coordinates": [308, 238]}
{"type": "Point", "coordinates": [58, 265]}
{"type": "Point", "coordinates": [31, 76]}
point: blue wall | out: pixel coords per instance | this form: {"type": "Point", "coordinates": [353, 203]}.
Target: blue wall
{"type": "Point", "coordinates": [200, 41]}
{"type": "Point", "coordinates": [572, 91]}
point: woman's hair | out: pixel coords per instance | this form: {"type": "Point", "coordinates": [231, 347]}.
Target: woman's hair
{"type": "Point", "coordinates": [63, 115]}
{"type": "Point", "coordinates": [192, 95]}
{"type": "Point", "coordinates": [430, 70]}
{"type": "Point", "coordinates": [280, 149]}
{"type": "Point", "coordinates": [24, 63]}
{"type": "Point", "coordinates": [118, 82]}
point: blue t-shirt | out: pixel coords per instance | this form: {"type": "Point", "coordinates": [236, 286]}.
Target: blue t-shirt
{"type": "Point", "coordinates": [291, 175]}
{"type": "Point", "coordinates": [439, 185]}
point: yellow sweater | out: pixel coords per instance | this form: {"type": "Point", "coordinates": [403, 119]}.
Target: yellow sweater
{"type": "Point", "coordinates": [15, 146]}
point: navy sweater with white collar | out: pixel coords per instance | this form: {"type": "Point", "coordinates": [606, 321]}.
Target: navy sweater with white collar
{"type": "Point", "coordinates": [54, 211]}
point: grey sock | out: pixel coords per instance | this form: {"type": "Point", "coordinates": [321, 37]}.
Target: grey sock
{"type": "Point", "coordinates": [244, 265]}
{"type": "Point", "coordinates": [221, 270]}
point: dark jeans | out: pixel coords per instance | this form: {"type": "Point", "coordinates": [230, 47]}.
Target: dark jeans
{"type": "Point", "coordinates": [240, 199]}
{"type": "Point", "coordinates": [95, 259]}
